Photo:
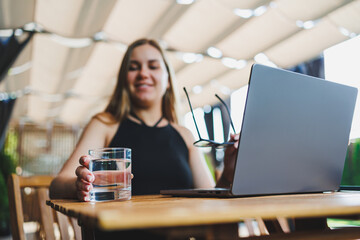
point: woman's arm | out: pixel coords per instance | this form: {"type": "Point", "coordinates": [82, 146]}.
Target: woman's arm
{"type": "Point", "coordinates": [200, 171]}
{"type": "Point", "coordinates": [67, 184]}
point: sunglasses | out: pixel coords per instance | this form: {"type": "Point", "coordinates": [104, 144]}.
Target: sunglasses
{"type": "Point", "coordinates": [207, 142]}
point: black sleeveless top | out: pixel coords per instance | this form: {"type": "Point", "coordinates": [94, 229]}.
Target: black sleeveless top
{"type": "Point", "coordinates": [160, 157]}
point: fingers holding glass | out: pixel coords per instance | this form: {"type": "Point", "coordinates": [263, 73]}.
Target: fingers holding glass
{"type": "Point", "coordinates": [84, 183]}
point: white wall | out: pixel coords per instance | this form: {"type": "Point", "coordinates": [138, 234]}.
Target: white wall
{"type": "Point", "coordinates": [342, 65]}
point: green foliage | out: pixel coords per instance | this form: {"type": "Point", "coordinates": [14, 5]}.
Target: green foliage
{"type": "Point", "coordinates": [10, 147]}
{"type": "Point", "coordinates": [210, 165]}
{"type": "Point", "coordinates": [351, 174]}
{"type": "Point", "coordinates": [8, 163]}
{"type": "Point", "coordinates": [340, 223]}
{"type": "Point", "coordinates": [7, 166]}
{"type": "Point", "coordinates": [4, 203]}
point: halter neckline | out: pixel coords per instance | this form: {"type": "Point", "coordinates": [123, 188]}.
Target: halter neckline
{"type": "Point", "coordinates": [143, 123]}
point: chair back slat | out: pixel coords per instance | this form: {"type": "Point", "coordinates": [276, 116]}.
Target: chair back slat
{"type": "Point", "coordinates": [63, 225]}
{"type": "Point", "coordinates": [15, 207]}
{"type": "Point", "coordinates": [47, 219]}
{"type": "Point", "coordinates": [35, 181]}
{"type": "Point", "coordinates": [43, 214]}
{"type": "Point", "coordinates": [76, 227]}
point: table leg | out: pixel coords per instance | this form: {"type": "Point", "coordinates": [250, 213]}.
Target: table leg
{"type": "Point", "coordinates": [87, 233]}
{"type": "Point", "coordinates": [224, 231]}
{"type": "Point", "coordinates": [305, 224]}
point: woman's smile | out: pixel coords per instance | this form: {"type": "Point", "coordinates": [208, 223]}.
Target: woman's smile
{"type": "Point", "coordinates": [143, 85]}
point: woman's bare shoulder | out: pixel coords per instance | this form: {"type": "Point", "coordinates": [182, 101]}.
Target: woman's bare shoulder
{"type": "Point", "coordinates": [103, 124]}
{"type": "Point", "coordinates": [101, 121]}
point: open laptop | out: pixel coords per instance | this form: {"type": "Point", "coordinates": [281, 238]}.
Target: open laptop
{"type": "Point", "coordinates": [294, 136]}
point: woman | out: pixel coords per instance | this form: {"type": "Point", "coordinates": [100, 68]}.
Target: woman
{"type": "Point", "coordinates": [142, 116]}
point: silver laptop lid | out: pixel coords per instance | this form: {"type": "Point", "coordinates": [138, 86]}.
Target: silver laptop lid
{"type": "Point", "coordinates": [294, 135]}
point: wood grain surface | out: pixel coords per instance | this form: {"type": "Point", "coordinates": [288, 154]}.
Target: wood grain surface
{"type": "Point", "coordinates": [164, 211]}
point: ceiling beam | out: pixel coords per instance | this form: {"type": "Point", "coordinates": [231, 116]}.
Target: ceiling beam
{"type": "Point", "coordinates": [226, 32]}
{"type": "Point", "coordinates": [232, 28]}
{"type": "Point", "coordinates": [16, 13]}
{"type": "Point", "coordinates": [281, 41]}
{"type": "Point", "coordinates": [167, 20]}
{"type": "Point", "coordinates": [344, 3]}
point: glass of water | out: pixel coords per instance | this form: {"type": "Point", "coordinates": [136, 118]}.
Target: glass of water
{"type": "Point", "coordinates": [112, 170]}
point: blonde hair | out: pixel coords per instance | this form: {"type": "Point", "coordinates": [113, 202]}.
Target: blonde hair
{"type": "Point", "coordinates": [120, 104]}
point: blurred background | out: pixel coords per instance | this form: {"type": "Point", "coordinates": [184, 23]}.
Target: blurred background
{"type": "Point", "coordinates": [59, 62]}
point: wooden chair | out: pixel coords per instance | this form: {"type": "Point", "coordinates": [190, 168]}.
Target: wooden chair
{"type": "Point", "coordinates": [34, 206]}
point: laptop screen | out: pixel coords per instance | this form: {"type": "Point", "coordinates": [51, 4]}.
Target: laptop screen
{"type": "Point", "coordinates": [295, 133]}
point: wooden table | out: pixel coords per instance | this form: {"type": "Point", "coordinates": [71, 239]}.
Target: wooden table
{"type": "Point", "coordinates": [163, 212]}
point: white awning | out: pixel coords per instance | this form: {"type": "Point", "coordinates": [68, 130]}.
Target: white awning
{"type": "Point", "coordinates": [70, 71]}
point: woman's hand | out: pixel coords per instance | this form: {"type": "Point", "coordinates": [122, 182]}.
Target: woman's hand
{"type": "Point", "coordinates": [230, 152]}
{"type": "Point", "coordinates": [84, 180]}
{"type": "Point", "coordinates": [229, 162]}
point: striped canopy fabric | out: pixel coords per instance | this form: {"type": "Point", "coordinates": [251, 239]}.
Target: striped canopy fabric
{"type": "Point", "coordinates": [68, 70]}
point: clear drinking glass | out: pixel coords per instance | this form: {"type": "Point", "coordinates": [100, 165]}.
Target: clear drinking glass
{"type": "Point", "coordinates": [112, 170]}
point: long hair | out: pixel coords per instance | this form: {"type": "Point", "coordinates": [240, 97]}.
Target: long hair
{"type": "Point", "coordinates": [120, 104]}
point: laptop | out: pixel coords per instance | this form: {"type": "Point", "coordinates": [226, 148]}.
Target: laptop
{"type": "Point", "coordinates": [294, 136]}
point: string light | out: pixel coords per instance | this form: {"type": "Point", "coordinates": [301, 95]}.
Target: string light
{"type": "Point", "coordinates": [100, 36]}
{"type": "Point", "coordinates": [244, 13]}
{"type": "Point", "coordinates": [6, 33]}
{"type": "Point", "coordinates": [47, 97]}
{"type": "Point", "coordinates": [261, 58]}
{"type": "Point", "coordinates": [249, 13]}
{"type": "Point", "coordinates": [191, 57]}
{"type": "Point", "coordinates": [72, 42]}
{"type": "Point", "coordinates": [197, 89]}
{"type": "Point", "coordinates": [240, 64]}
{"type": "Point", "coordinates": [18, 32]}
{"type": "Point", "coordinates": [225, 90]}
{"type": "Point", "coordinates": [347, 33]}
{"type": "Point", "coordinates": [214, 52]}
{"type": "Point", "coordinates": [307, 24]}
{"type": "Point", "coordinates": [20, 69]}
{"type": "Point", "coordinates": [185, 2]}
{"type": "Point", "coordinates": [260, 11]}
{"type": "Point", "coordinates": [229, 62]}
